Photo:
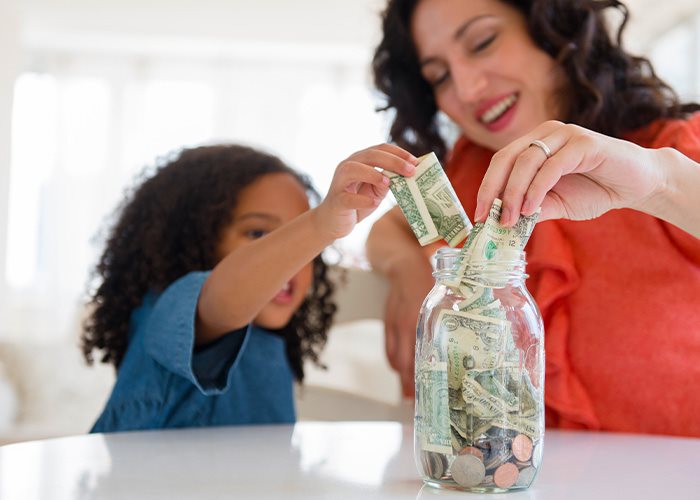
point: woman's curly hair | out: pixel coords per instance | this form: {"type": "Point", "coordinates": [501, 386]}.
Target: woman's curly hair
{"type": "Point", "coordinates": [609, 90]}
{"type": "Point", "coordinates": [170, 225]}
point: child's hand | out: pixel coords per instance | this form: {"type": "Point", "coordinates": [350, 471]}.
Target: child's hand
{"type": "Point", "coordinates": [358, 188]}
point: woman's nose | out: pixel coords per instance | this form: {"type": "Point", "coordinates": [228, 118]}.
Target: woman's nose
{"type": "Point", "coordinates": [470, 82]}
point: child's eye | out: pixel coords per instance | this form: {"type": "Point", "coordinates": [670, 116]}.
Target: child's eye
{"type": "Point", "coordinates": [437, 82]}
{"type": "Point", "coordinates": [254, 234]}
{"type": "Point", "coordinates": [484, 44]}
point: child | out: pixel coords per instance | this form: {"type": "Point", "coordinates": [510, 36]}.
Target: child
{"type": "Point", "coordinates": [212, 289]}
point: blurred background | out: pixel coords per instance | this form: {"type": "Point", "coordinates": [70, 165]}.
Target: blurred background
{"type": "Point", "coordinates": [92, 91]}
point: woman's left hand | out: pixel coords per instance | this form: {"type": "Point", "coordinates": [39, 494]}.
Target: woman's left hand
{"type": "Point", "coordinates": [581, 176]}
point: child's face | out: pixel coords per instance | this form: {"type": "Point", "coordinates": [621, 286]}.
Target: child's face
{"type": "Point", "coordinates": [268, 203]}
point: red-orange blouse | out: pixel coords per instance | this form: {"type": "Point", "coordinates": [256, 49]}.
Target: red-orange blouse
{"type": "Point", "coordinates": [620, 298]}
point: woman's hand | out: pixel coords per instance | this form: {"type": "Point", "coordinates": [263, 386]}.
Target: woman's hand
{"type": "Point", "coordinates": [358, 187]}
{"type": "Point", "coordinates": [586, 175]}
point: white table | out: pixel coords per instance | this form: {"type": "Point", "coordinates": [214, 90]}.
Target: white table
{"type": "Point", "coordinates": [340, 460]}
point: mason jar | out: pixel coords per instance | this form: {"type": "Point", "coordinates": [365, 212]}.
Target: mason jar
{"type": "Point", "coordinates": [479, 415]}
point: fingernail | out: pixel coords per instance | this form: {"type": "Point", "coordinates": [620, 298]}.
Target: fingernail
{"type": "Point", "coordinates": [480, 212]}
{"type": "Point", "coordinates": [410, 169]}
{"type": "Point", "coordinates": [527, 207]}
{"type": "Point", "coordinates": [385, 180]}
{"type": "Point", "coordinates": [505, 216]}
{"type": "Point", "coordinates": [413, 159]}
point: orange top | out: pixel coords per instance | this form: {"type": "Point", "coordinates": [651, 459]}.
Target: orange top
{"type": "Point", "coordinates": [620, 298]}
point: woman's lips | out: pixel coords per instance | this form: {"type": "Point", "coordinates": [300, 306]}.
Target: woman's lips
{"type": "Point", "coordinates": [495, 114]}
{"type": "Point", "coordinates": [284, 296]}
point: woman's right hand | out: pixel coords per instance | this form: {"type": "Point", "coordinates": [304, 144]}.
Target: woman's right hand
{"type": "Point", "coordinates": [585, 175]}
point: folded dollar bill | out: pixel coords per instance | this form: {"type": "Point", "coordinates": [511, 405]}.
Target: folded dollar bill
{"type": "Point", "coordinates": [490, 236]}
{"type": "Point", "coordinates": [430, 204]}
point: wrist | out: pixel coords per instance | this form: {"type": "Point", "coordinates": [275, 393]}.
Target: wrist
{"type": "Point", "coordinates": [659, 202]}
{"type": "Point", "coordinates": [321, 226]}
{"type": "Point", "coordinates": [676, 199]}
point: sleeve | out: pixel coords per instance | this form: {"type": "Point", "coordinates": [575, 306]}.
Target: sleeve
{"type": "Point", "coordinates": [169, 338]}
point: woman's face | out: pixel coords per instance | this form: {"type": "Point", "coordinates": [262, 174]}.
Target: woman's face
{"type": "Point", "coordinates": [268, 203]}
{"type": "Point", "coordinates": [487, 74]}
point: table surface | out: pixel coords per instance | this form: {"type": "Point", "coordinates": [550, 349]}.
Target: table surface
{"type": "Point", "coordinates": [329, 460]}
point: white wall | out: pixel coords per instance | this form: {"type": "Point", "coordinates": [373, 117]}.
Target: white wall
{"type": "Point", "coordinates": [650, 19]}
{"type": "Point", "coordinates": [9, 55]}
{"type": "Point", "coordinates": [331, 21]}
{"type": "Point", "coordinates": [346, 22]}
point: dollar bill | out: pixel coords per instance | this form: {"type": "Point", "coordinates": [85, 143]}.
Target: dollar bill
{"type": "Point", "coordinates": [485, 405]}
{"type": "Point", "coordinates": [472, 342]}
{"type": "Point", "coordinates": [490, 236]}
{"type": "Point", "coordinates": [430, 204]}
{"type": "Point", "coordinates": [513, 421]}
{"type": "Point", "coordinates": [432, 420]}
{"type": "Point", "coordinates": [495, 383]}
{"type": "Point", "coordinates": [481, 298]}
{"type": "Point", "coordinates": [491, 411]}
{"type": "Point", "coordinates": [492, 310]}
{"type": "Point", "coordinates": [468, 426]}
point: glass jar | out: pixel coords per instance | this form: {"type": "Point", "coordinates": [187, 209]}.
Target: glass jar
{"type": "Point", "coordinates": [479, 415]}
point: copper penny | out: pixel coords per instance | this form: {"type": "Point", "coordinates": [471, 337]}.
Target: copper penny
{"type": "Point", "coordinates": [470, 450]}
{"type": "Point", "coordinates": [506, 475]}
{"type": "Point", "coordinates": [522, 447]}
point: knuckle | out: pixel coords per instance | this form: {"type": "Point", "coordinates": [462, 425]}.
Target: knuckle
{"type": "Point", "coordinates": [584, 141]}
{"type": "Point", "coordinates": [511, 192]}
{"type": "Point", "coordinates": [553, 123]}
{"type": "Point", "coordinates": [573, 129]}
{"type": "Point", "coordinates": [499, 156]}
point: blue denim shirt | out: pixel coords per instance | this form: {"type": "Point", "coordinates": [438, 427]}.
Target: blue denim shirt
{"type": "Point", "coordinates": [164, 382]}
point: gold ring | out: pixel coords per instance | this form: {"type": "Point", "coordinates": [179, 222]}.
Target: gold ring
{"type": "Point", "coordinates": [545, 149]}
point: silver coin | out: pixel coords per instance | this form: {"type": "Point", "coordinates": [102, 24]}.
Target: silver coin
{"type": "Point", "coordinates": [434, 464]}
{"type": "Point", "coordinates": [526, 476]}
{"type": "Point", "coordinates": [468, 470]}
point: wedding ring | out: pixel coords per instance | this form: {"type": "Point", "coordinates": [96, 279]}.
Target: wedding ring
{"type": "Point", "coordinates": [545, 149]}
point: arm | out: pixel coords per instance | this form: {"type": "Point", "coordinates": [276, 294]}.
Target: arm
{"type": "Point", "coordinates": [393, 251]}
{"type": "Point", "coordinates": [588, 174]}
{"type": "Point", "coordinates": [678, 199]}
{"type": "Point", "coordinates": [247, 279]}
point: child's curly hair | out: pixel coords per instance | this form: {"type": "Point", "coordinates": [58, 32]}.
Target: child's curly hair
{"type": "Point", "coordinates": [170, 225]}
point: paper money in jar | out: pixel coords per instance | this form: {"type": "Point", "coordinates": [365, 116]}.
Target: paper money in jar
{"type": "Point", "coordinates": [480, 374]}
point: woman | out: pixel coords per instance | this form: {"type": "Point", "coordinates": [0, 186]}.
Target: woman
{"type": "Point", "coordinates": [620, 295]}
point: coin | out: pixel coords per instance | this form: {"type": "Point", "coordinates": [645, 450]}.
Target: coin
{"type": "Point", "coordinates": [470, 450]}
{"type": "Point", "coordinates": [522, 447]}
{"type": "Point", "coordinates": [434, 464]}
{"type": "Point", "coordinates": [526, 476]}
{"type": "Point", "coordinates": [467, 470]}
{"type": "Point", "coordinates": [506, 475]}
